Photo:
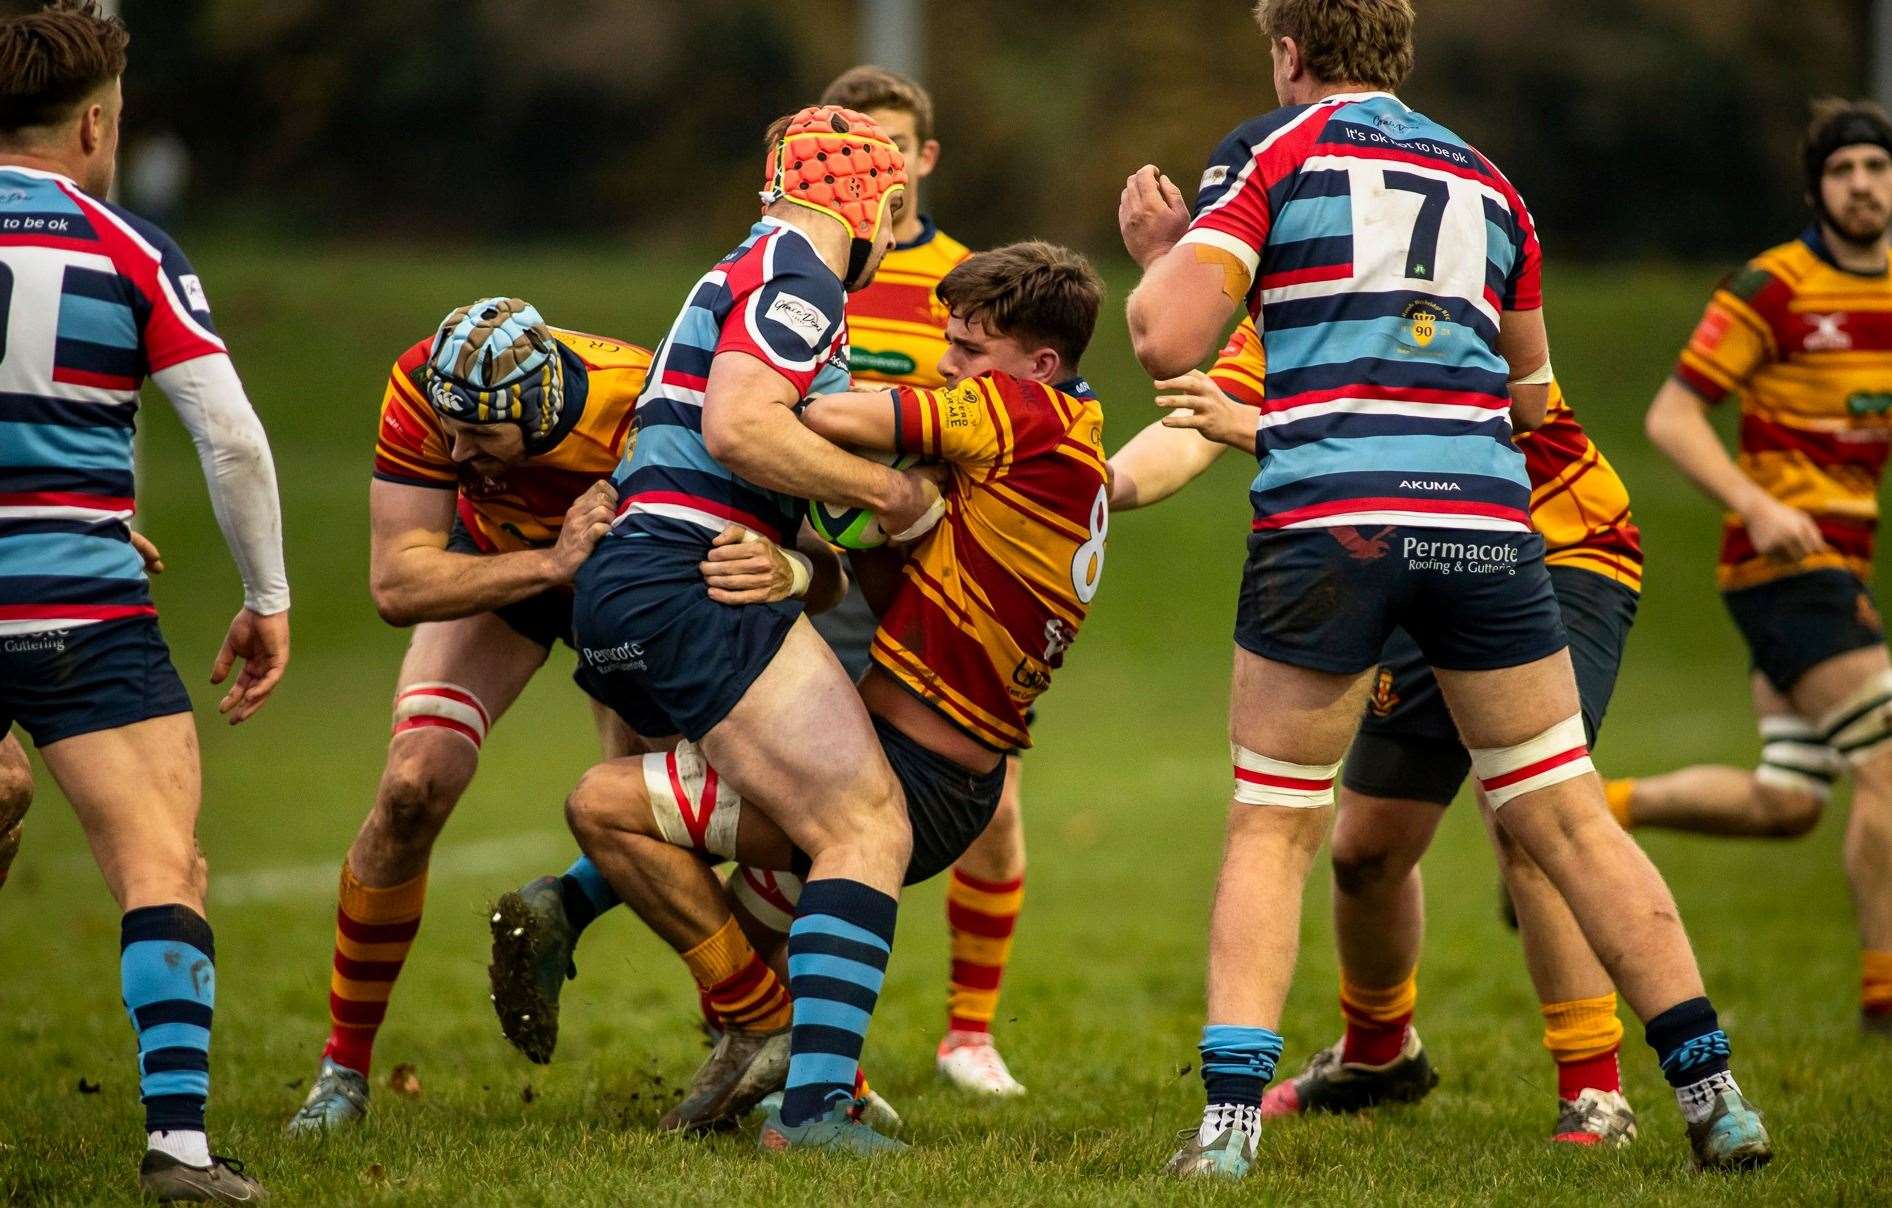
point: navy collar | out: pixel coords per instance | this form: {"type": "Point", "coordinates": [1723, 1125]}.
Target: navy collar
{"type": "Point", "coordinates": [1076, 387]}
{"type": "Point", "coordinates": [1815, 239]}
{"type": "Point", "coordinates": [927, 231]}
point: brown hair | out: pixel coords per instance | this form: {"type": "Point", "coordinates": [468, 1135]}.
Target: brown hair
{"type": "Point", "coordinates": [1039, 294]}
{"type": "Point", "coordinates": [1345, 41]}
{"type": "Point", "coordinates": [52, 60]}
{"type": "Point", "coordinates": [868, 87]}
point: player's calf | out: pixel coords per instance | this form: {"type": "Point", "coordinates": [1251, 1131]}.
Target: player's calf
{"type": "Point", "coordinates": [16, 795]}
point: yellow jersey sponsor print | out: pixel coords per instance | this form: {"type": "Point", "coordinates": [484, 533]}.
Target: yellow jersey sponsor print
{"type": "Point", "coordinates": [1578, 501]}
{"type": "Point", "coordinates": [994, 595]}
{"type": "Point", "coordinates": [896, 326]}
{"type": "Point", "coordinates": [1807, 348]}
{"type": "Point", "coordinates": [524, 506]}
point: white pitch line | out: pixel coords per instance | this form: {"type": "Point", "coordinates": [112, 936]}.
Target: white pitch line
{"type": "Point", "coordinates": [484, 858]}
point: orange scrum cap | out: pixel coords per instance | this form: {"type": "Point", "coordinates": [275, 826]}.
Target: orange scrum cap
{"type": "Point", "coordinates": [840, 163]}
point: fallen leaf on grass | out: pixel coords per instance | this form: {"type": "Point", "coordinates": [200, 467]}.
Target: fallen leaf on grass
{"type": "Point", "coordinates": [87, 1086]}
{"type": "Point", "coordinates": [404, 1081]}
{"type": "Point", "coordinates": [374, 1172]}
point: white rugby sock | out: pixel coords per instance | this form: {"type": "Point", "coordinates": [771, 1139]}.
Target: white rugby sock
{"type": "Point", "coordinates": [1218, 1118]}
{"type": "Point", "coordinates": [190, 1148]}
{"type": "Point", "coordinates": [1697, 1099]}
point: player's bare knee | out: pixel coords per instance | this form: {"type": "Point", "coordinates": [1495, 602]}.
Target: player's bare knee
{"type": "Point", "coordinates": [610, 799]}
{"type": "Point", "coordinates": [1365, 868]}
{"type": "Point", "coordinates": [417, 795]}
{"type": "Point", "coordinates": [1787, 813]}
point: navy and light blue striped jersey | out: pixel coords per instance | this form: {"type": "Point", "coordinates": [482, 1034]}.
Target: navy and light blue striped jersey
{"type": "Point", "coordinates": [1382, 249]}
{"type": "Point", "coordinates": [92, 299]}
{"type": "Point", "coordinates": [776, 300]}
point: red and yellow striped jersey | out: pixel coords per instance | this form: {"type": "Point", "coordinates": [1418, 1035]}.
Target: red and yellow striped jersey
{"type": "Point", "coordinates": [524, 507]}
{"type": "Point", "coordinates": [1807, 346]}
{"type": "Point", "coordinates": [994, 595]}
{"type": "Point", "coordinates": [896, 326]}
{"type": "Point", "coordinates": [1578, 501]}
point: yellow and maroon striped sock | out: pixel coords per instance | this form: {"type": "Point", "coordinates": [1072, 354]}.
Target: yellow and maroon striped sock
{"type": "Point", "coordinates": [737, 984]}
{"type": "Point", "coordinates": [1377, 1018]}
{"type": "Point", "coordinates": [981, 916]}
{"type": "Point", "coordinates": [374, 928]}
{"type": "Point", "coordinates": [1875, 984]}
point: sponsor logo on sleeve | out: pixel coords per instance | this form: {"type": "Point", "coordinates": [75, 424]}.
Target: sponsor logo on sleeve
{"type": "Point", "coordinates": [1215, 176]}
{"type": "Point", "coordinates": [800, 316]}
{"type": "Point", "coordinates": [194, 296]}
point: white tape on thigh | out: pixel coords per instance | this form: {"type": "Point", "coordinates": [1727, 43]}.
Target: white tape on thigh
{"type": "Point", "coordinates": [1260, 780]}
{"type": "Point", "coordinates": [442, 706]}
{"type": "Point", "coordinates": [693, 806]}
{"type": "Point", "coordinates": [769, 896]}
{"type": "Point", "coordinates": [1558, 754]}
{"type": "Point", "coordinates": [1860, 726]}
{"type": "Point", "coordinates": [1794, 758]}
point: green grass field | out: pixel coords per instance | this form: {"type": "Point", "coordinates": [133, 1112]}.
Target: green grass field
{"type": "Point", "coordinates": [1125, 799]}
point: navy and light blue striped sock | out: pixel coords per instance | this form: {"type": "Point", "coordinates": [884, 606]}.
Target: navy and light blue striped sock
{"type": "Point", "coordinates": [585, 893]}
{"type": "Point", "coordinates": [837, 957]}
{"type": "Point", "coordinates": [1693, 1050]}
{"type": "Point", "coordinates": [167, 971]}
{"type": "Point", "coordinates": [1237, 1063]}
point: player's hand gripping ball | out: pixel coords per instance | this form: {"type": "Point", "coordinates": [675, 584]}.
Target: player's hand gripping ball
{"type": "Point", "coordinates": [855, 528]}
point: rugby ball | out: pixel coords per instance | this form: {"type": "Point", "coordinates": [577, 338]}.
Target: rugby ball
{"type": "Point", "coordinates": [855, 528]}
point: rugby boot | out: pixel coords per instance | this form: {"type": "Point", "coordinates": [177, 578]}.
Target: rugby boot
{"type": "Point", "coordinates": [1595, 1117]}
{"type": "Point", "coordinates": [1329, 1084]}
{"type": "Point", "coordinates": [1228, 1156]}
{"type": "Point", "coordinates": [971, 1062]}
{"type": "Point", "coordinates": [740, 1070]}
{"type": "Point", "coordinates": [1732, 1137]}
{"type": "Point", "coordinates": [532, 959]}
{"type": "Point", "coordinates": [840, 1131]}
{"type": "Point", "coordinates": [170, 1181]}
{"type": "Point", "coordinates": [339, 1097]}
{"type": "Point", "coordinates": [870, 1107]}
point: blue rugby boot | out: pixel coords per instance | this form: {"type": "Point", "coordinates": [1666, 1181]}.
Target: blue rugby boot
{"type": "Point", "coordinates": [1731, 1137]}
{"type": "Point", "coordinates": [338, 1098]}
{"type": "Point", "coordinates": [533, 941]}
{"type": "Point", "coordinates": [840, 1131]}
{"type": "Point", "coordinates": [1222, 1147]}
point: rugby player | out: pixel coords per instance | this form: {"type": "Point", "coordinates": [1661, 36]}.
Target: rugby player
{"type": "Point", "coordinates": [1394, 275]}
{"type": "Point", "coordinates": [896, 327]}
{"type": "Point", "coordinates": [1407, 764]}
{"type": "Point", "coordinates": [970, 632]}
{"type": "Point", "coordinates": [1800, 335]}
{"type": "Point", "coordinates": [752, 685]}
{"type": "Point", "coordinates": [92, 302]}
{"type": "Point", "coordinates": [497, 437]}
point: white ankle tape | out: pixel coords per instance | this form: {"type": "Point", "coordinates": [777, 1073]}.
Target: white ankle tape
{"type": "Point", "coordinates": [1794, 758]}
{"type": "Point", "coordinates": [1862, 724]}
{"type": "Point", "coordinates": [1558, 754]}
{"type": "Point", "coordinates": [1260, 780]}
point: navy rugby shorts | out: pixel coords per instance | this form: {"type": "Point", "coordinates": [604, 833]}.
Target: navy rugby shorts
{"type": "Point", "coordinates": [1408, 749]}
{"type": "Point", "coordinates": [652, 645]}
{"type": "Point", "coordinates": [544, 619]}
{"type": "Point", "coordinates": [1794, 624]}
{"type": "Point", "coordinates": [1327, 599]}
{"type": "Point", "coordinates": [65, 682]}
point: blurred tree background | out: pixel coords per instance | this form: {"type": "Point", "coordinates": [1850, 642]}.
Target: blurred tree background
{"type": "Point", "coordinates": [1636, 128]}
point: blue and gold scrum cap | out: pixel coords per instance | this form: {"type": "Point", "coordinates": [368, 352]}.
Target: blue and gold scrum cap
{"type": "Point", "coordinates": [495, 361]}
